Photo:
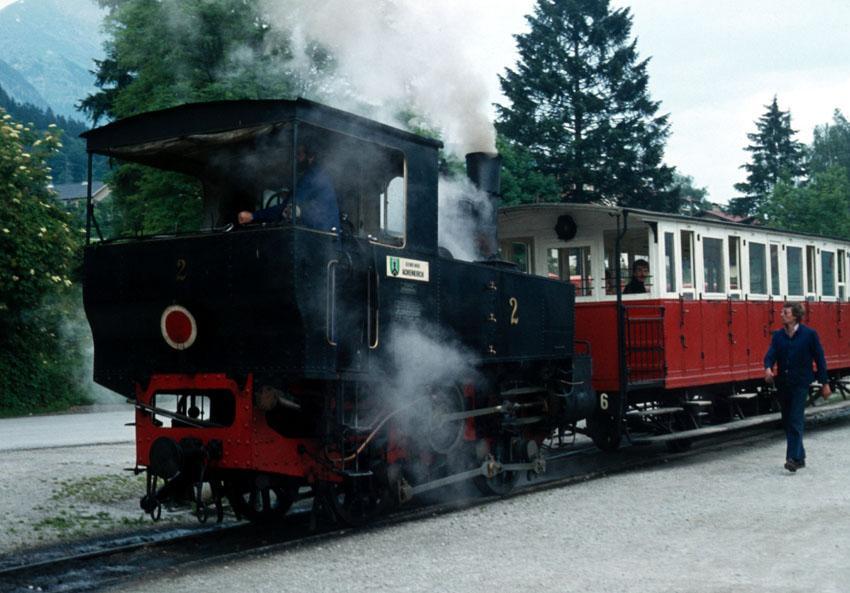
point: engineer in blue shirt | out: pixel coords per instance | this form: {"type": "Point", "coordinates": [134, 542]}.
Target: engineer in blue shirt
{"type": "Point", "coordinates": [315, 198]}
{"type": "Point", "coordinates": [794, 349]}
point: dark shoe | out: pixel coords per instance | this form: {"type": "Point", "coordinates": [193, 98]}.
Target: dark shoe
{"type": "Point", "coordinates": [801, 464]}
{"type": "Point", "coordinates": [792, 465]}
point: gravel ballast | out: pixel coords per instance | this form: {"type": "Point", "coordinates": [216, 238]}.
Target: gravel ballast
{"type": "Point", "coordinates": [730, 520]}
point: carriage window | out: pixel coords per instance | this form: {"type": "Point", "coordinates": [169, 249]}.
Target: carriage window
{"type": "Point", "coordinates": [734, 263]}
{"type": "Point", "coordinates": [712, 259]}
{"type": "Point", "coordinates": [518, 251]}
{"type": "Point", "coordinates": [572, 264]}
{"type": "Point", "coordinates": [811, 276]}
{"type": "Point", "coordinates": [827, 266]}
{"type": "Point", "coordinates": [841, 260]}
{"type": "Point", "coordinates": [633, 246]}
{"type": "Point", "coordinates": [758, 269]}
{"type": "Point", "coordinates": [670, 262]}
{"type": "Point", "coordinates": [795, 271]}
{"type": "Point", "coordinates": [687, 259]}
{"type": "Point", "coordinates": [774, 270]}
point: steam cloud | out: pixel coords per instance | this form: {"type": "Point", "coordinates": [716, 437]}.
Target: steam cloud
{"type": "Point", "coordinates": [459, 227]}
{"type": "Point", "coordinates": [395, 54]}
{"type": "Point", "coordinates": [423, 360]}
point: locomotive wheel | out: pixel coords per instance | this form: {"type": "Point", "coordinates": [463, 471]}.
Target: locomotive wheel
{"type": "Point", "coordinates": [356, 501]}
{"type": "Point", "coordinates": [445, 436]}
{"type": "Point", "coordinates": [503, 482]}
{"type": "Point", "coordinates": [261, 498]}
{"type": "Point", "coordinates": [605, 430]}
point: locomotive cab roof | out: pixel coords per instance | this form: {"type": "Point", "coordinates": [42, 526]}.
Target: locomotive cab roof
{"type": "Point", "coordinates": [244, 152]}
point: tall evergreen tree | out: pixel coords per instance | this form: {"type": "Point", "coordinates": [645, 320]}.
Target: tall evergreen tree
{"type": "Point", "coordinates": [581, 109]}
{"type": "Point", "coordinates": [775, 157]}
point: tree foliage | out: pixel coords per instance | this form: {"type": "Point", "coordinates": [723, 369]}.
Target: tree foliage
{"type": "Point", "coordinates": [581, 110]}
{"type": "Point", "coordinates": [693, 199]}
{"type": "Point", "coordinates": [830, 146]}
{"type": "Point", "coordinates": [775, 157]}
{"type": "Point", "coordinates": [38, 247]}
{"type": "Point", "coordinates": [522, 180]}
{"type": "Point", "coordinates": [163, 53]}
{"type": "Point", "coordinates": [821, 206]}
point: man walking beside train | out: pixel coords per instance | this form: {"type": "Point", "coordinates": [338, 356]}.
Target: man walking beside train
{"type": "Point", "coordinates": [794, 349]}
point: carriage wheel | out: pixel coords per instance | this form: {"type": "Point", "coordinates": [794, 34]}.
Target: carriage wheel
{"type": "Point", "coordinates": [605, 430]}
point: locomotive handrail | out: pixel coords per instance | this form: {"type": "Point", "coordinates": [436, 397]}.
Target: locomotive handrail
{"type": "Point", "coordinates": [373, 340]}
{"type": "Point", "coordinates": [330, 310]}
{"type": "Point", "coordinates": [175, 416]}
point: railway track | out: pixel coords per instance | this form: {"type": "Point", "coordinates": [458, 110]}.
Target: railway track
{"type": "Point", "coordinates": [89, 566]}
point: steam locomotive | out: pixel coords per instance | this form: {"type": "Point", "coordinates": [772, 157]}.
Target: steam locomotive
{"type": "Point", "coordinates": [363, 361]}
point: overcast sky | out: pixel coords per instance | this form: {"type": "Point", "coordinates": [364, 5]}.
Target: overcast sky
{"type": "Point", "coordinates": [715, 64]}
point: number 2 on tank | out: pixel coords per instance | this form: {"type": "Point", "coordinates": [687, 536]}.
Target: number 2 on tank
{"type": "Point", "coordinates": [181, 269]}
{"type": "Point", "coordinates": [514, 310]}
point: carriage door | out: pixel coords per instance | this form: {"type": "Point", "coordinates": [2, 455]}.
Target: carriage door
{"type": "Point", "coordinates": [736, 312]}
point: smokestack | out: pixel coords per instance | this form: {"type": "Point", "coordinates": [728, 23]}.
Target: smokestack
{"type": "Point", "coordinates": [484, 170]}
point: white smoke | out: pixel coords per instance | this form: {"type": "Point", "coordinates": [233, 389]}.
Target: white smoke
{"type": "Point", "coordinates": [396, 54]}
{"type": "Point", "coordinates": [463, 208]}
{"type": "Point", "coordinates": [424, 357]}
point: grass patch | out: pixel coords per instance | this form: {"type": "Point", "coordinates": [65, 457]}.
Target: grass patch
{"type": "Point", "coordinates": [103, 489]}
{"type": "Point", "coordinates": [75, 524]}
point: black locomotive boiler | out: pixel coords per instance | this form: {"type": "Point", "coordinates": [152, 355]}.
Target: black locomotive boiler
{"type": "Point", "coordinates": [266, 358]}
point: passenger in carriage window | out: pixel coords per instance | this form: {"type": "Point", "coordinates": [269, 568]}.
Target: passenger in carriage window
{"type": "Point", "coordinates": [640, 272]}
{"type": "Point", "coordinates": [793, 349]}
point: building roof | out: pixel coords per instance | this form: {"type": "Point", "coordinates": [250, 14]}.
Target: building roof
{"type": "Point", "coordinates": [66, 192]}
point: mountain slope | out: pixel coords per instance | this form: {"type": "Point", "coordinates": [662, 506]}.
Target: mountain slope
{"type": "Point", "coordinates": [18, 87]}
{"type": "Point", "coordinates": [52, 45]}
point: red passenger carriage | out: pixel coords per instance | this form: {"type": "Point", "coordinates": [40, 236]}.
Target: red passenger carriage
{"type": "Point", "coordinates": [689, 352]}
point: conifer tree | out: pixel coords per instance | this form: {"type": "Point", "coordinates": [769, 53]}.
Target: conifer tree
{"type": "Point", "coordinates": [776, 157]}
{"type": "Point", "coordinates": [581, 110]}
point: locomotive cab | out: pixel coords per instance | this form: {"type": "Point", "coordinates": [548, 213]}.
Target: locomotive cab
{"type": "Point", "coordinates": [290, 295]}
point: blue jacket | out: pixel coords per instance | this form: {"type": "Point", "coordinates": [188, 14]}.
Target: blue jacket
{"type": "Point", "coordinates": [315, 197]}
{"type": "Point", "coordinates": [795, 356]}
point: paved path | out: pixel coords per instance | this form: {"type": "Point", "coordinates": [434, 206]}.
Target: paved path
{"type": "Point", "coordinates": [96, 426]}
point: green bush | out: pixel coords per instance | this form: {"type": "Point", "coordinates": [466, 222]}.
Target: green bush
{"type": "Point", "coordinates": [39, 247]}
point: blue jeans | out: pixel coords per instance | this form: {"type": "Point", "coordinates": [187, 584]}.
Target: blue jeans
{"type": "Point", "coordinates": [792, 401]}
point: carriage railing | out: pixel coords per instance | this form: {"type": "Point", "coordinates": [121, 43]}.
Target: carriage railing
{"type": "Point", "coordinates": [644, 344]}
